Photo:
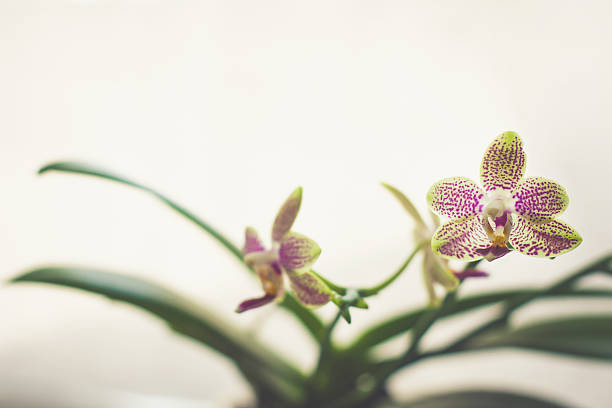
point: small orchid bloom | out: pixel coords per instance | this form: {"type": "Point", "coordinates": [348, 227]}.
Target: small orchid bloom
{"type": "Point", "coordinates": [511, 212]}
{"type": "Point", "coordinates": [291, 254]}
{"type": "Point", "coordinates": [435, 269]}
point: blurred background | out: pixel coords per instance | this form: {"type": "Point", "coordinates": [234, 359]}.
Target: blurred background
{"type": "Point", "coordinates": [227, 106]}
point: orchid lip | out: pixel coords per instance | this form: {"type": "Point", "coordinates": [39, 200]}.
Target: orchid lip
{"type": "Point", "coordinates": [497, 220]}
{"type": "Point", "coordinates": [261, 257]}
{"type": "Point", "coordinates": [494, 252]}
{"type": "Point", "coordinates": [497, 203]}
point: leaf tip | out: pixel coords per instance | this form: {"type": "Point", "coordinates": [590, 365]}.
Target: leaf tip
{"type": "Point", "coordinates": [45, 168]}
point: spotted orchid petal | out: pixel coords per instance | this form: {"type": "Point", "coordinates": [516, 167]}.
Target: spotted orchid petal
{"type": "Point", "coordinates": [539, 200]}
{"type": "Point", "coordinates": [251, 242]}
{"type": "Point", "coordinates": [543, 240]}
{"type": "Point", "coordinates": [309, 289]}
{"type": "Point", "coordinates": [455, 198]}
{"type": "Point", "coordinates": [460, 239]}
{"type": "Point", "coordinates": [254, 303]}
{"type": "Point", "coordinates": [503, 164]}
{"type": "Point", "coordinates": [297, 252]}
{"type": "Point", "coordinates": [286, 215]}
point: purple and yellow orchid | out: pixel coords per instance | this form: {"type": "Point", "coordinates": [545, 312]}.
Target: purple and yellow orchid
{"type": "Point", "coordinates": [291, 254]}
{"type": "Point", "coordinates": [512, 212]}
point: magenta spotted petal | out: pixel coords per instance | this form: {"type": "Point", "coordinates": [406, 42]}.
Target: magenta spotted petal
{"type": "Point", "coordinates": [309, 289]}
{"type": "Point", "coordinates": [503, 164]}
{"type": "Point", "coordinates": [461, 239]}
{"type": "Point", "coordinates": [251, 242]}
{"type": "Point", "coordinates": [539, 200]}
{"type": "Point", "coordinates": [298, 252]}
{"type": "Point", "coordinates": [455, 198]}
{"type": "Point", "coordinates": [543, 240]}
{"type": "Point", "coordinates": [286, 215]}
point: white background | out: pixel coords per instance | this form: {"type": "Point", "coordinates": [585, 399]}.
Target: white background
{"type": "Point", "coordinates": [228, 106]}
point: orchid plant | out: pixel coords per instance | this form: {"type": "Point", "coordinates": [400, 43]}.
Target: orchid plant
{"type": "Point", "coordinates": [509, 213]}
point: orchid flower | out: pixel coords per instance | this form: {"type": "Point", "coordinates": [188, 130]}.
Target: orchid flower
{"type": "Point", "coordinates": [436, 270]}
{"type": "Point", "coordinates": [291, 254]}
{"type": "Point", "coordinates": [511, 212]}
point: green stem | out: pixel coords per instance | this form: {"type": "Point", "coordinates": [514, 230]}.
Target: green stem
{"type": "Point", "coordinates": [326, 340]}
{"type": "Point", "coordinates": [374, 290]}
{"type": "Point", "coordinates": [341, 290]}
{"type": "Point", "coordinates": [319, 380]}
{"type": "Point", "coordinates": [430, 317]}
{"type": "Point", "coordinates": [423, 324]}
{"type": "Point", "coordinates": [426, 321]}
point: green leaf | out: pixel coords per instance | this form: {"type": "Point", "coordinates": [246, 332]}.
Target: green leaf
{"type": "Point", "coordinates": [260, 365]}
{"type": "Point", "coordinates": [588, 336]}
{"type": "Point", "coordinates": [310, 321]}
{"type": "Point", "coordinates": [397, 325]}
{"type": "Point", "coordinates": [86, 169]}
{"type": "Point", "coordinates": [479, 399]}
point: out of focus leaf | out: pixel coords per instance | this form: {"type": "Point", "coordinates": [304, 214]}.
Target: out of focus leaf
{"type": "Point", "coordinates": [588, 336]}
{"type": "Point", "coordinates": [312, 323]}
{"type": "Point", "coordinates": [479, 399]}
{"type": "Point", "coordinates": [404, 322]}
{"type": "Point", "coordinates": [513, 299]}
{"type": "Point", "coordinates": [259, 364]}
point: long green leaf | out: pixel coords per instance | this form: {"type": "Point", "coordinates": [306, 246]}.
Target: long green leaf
{"type": "Point", "coordinates": [587, 337]}
{"type": "Point", "coordinates": [404, 322]}
{"type": "Point", "coordinates": [259, 364]}
{"type": "Point", "coordinates": [479, 399]}
{"type": "Point", "coordinates": [384, 331]}
{"type": "Point", "coordinates": [603, 264]}
{"type": "Point", "coordinates": [312, 323]}
{"type": "Point", "coordinates": [86, 169]}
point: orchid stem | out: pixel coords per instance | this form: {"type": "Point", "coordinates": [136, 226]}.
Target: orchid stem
{"type": "Point", "coordinates": [428, 319]}
{"type": "Point", "coordinates": [341, 290]}
{"type": "Point", "coordinates": [374, 290]}
{"type": "Point", "coordinates": [326, 340]}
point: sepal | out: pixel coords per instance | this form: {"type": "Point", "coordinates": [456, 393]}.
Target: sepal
{"type": "Point", "coordinates": [286, 215]}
